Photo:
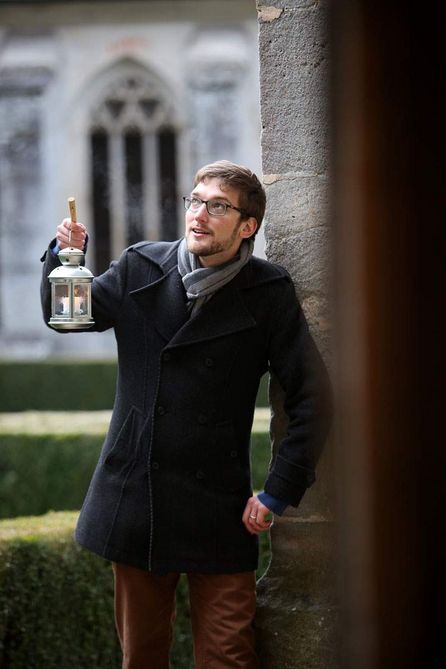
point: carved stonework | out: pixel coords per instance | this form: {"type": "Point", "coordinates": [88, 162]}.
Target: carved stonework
{"type": "Point", "coordinates": [215, 81]}
{"type": "Point", "coordinates": [133, 101]}
{"type": "Point", "coordinates": [214, 104]}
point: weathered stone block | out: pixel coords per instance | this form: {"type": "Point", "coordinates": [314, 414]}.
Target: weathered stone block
{"type": "Point", "coordinates": [290, 5]}
{"type": "Point", "coordinates": [296, 598]}
{"type": "Point", "coordinates": [302, 250]}
{"type": "Point", "coordinates": [297, 200]}
{"type": "Point", "coordinates": [294, 90]}
{"type": "Point", "coordinates": [296, 230]}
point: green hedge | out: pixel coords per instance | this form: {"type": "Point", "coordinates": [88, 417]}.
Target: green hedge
{"type": "Point", "coordinates": [65, 386]}
{"type": "Point", "coordinates": [83, 386]}
{"type": "Point", "coordinates": [56, 600]}
{"type": "Point", "coordinates": [39, 473]}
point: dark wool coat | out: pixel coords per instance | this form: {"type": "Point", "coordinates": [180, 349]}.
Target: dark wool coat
{"type": "Point", "coordinates": [173, 477]}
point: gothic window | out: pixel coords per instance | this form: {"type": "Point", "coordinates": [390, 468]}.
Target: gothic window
{"type": "Point", "coordinates": [133, 158]}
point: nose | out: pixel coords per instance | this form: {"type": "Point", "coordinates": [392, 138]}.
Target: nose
{"type": "Point", "coordinates": [201, 212]}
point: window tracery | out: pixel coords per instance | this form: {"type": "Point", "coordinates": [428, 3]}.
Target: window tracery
{"type": "Point", "coordinates": [133, 151]}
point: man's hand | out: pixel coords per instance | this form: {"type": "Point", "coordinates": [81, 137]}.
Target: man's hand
{"type": "Point", "coordinates": [256, 516]}
{"type": "Point", "coordinates": [78, 234]}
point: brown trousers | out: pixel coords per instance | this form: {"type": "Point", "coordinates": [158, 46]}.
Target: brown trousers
{"type": "Point", "coordinates": [222, 612]}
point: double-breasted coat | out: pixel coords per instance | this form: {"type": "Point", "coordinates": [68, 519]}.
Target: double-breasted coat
{"type": "Point", "coordinates": [173, 476]}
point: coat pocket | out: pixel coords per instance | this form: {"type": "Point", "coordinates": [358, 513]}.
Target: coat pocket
{"type": "Point", "coordinates": [125, 446]}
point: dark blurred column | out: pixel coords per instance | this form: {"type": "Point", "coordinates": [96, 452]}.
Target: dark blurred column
{"type": "Point", "coordinates": [99, 142]}
{"type": "Point", "coordinates": [296, 598]}
{"type": "Point", "coordinates": [389, 207]}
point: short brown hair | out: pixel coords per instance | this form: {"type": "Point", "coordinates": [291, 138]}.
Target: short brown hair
{"type": "Point", "coordinates": [252, 194]}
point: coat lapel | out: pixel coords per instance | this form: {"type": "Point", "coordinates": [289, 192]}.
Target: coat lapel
{"type": "Point", "coordinates": [165, 299]}
{"type": "Point", "coordinates": [224, 314]}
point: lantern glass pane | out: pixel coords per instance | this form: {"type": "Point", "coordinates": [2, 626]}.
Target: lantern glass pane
{"type": "Point", "coordinates": [80, 292]}
{"type": "Point", "coordinates": [61, 299]}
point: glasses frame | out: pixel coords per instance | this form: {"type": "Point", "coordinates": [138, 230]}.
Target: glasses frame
{"type": "Point", "coordinates": [207, 202]}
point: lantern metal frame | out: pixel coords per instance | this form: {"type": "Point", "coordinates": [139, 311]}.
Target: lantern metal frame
{"type": "Point", "coordinates": [71, 273]}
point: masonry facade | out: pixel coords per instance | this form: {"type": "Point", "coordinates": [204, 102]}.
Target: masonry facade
{"type": "Point", "coordinates": [116, 104]}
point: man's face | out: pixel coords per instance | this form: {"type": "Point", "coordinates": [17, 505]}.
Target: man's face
{"type": "Point", "coordinates": [216, 239]}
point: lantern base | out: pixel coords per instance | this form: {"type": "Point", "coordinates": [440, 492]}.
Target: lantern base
{"type": "Point", "coordinates": [70, 324]}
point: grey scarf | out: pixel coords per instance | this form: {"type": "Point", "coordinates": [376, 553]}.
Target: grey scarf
{"type": "Point", "coordinates": [200, 282]}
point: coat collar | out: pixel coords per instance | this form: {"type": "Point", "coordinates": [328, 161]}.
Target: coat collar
{"type": "Point", "coordinates": [163, 254]}
{"type": "Point", "coordinates": [224, 314]}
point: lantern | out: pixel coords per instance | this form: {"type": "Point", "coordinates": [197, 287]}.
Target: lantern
{"type": "Point", "coordinates": [71, 289]}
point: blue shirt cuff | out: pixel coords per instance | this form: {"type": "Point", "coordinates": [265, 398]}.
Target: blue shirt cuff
{"type": "Point", "coordinates": [275, 505]}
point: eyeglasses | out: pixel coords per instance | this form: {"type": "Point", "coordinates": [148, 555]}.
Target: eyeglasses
{"type": "Point", "coordinates": [213, 207]}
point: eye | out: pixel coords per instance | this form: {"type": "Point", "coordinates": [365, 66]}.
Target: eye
{"type": "Point", "coordinates": [195, 202]}
{"type": "Point", "coordinates": [218, 207]}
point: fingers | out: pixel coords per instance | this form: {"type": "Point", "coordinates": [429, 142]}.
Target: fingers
{"type": "Point", "coordinates": [256, 517]}
{"type": "Point", "coordinates": [78, 234]}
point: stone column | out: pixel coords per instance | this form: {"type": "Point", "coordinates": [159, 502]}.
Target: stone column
{"type": "Point", "coordinates": [296, 597]}
{"type": "Point", "coordinates": [22, 190]}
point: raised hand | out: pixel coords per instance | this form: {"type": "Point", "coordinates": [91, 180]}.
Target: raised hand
{"type": "Point", "coordinates": [78, 234]}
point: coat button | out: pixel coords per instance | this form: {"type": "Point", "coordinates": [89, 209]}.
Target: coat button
{"type": "Point", "coordinates": [199, 474]}
{"type": "Point", "coordinates": [161, 411]}
{"type": "Point", "coordinates": [233, 454]}
{"type": "Point", "coordinates": [166, 357]}
{"type": "Point", "coordinates": [155, 465]}
{"type": "Point", "coordinates": [202, 419]}
{"type": "Point", "coordinates": [209, 362]}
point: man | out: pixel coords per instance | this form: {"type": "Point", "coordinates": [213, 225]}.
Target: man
{"type": "Point", "coordinates": [197, 322]}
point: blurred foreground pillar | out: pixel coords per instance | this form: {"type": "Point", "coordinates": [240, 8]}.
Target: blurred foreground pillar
{"type": "Point", "coordinates": [388, 200]}
{"type": "Point", "coordinates": [296, 598]}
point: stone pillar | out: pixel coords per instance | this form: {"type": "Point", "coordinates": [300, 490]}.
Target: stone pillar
{"type": "Point", "coordinates": [22, 191]}
{"type": "Point", "coordinates": [296, 597]}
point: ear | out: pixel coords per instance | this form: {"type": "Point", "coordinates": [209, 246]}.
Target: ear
{"type": "Point", "coordinates": [248, 227]}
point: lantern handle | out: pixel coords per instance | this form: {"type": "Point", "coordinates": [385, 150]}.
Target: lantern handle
{"type": "Point", "coordinates": [73, 215]}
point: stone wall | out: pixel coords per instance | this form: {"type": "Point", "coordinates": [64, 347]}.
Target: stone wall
{"type": "Point", "coordinates": [296, 614]}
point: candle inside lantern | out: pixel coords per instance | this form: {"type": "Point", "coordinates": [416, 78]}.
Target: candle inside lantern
{"type": "Point", "coordinates": [79, 299]}
{"type": "Point", "coordinates": [65, 305]}
{"type": "Point", "coordinates": [78, 305]}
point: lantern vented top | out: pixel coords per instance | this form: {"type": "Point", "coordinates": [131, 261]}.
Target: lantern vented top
{"type": "Point", "coordinates": [71, 256]}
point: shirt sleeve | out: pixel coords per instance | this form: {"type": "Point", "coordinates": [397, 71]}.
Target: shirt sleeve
{"type": "Point", "coordinates": [274, 504]}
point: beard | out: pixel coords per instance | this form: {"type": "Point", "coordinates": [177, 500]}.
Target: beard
{"type": "Point", "coordinates": [209, 246]}
{"type": "Point", "coordinates": [206, 248]}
